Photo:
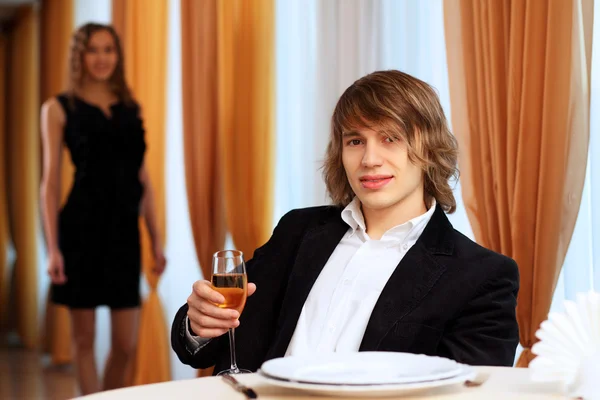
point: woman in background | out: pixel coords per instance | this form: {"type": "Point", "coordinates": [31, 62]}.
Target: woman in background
{"type": "Point", "coordinates": [93, 241]}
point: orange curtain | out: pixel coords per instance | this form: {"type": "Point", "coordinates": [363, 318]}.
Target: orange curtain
{"type": "Point", "coordinates": [519, 83]}
{"type": "Point", "coordinates": [56, 29]}
{"type": "Point", "coordinates": [246, 66]}
{"type": "Point", "coordinates": [142, 25]}
{"type": "Point", "coordinates": [23, 168]}
{"type": "Point", "coordinates": [200, 130]}
{"type": "Point", "coordinates": [5, 241]}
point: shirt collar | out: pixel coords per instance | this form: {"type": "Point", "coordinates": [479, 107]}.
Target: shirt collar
{"type": "Point", "coordinates": [353, 216]}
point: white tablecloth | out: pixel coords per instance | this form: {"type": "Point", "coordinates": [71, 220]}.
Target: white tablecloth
{"type": "Point", "coordinates": [503, 383]}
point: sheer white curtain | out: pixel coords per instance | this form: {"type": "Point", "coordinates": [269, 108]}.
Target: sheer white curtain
{"type": "Point", "coordinates": [581, 270]}
{"type": "Point", "coordinates": [99, 11]}
{"type": "Point", "coordinates": [296, 177]}
{"type": "Point", "coordinates": [324, 46]}
{"type": "Point", "coordinates": [182, 268]}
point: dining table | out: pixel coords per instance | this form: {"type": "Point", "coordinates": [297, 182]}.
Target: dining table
{"type": "Point", "coordinates": [498, 383]}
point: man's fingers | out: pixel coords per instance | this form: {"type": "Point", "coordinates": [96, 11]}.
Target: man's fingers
{"type": "Point", "coordinates": [207, 333]}
{"type": "Point", "coordinates": [251, 289]}
{"type": "Point", "coordinates": [208, 322]}
{"type": "Point", "coordinates": [211, 310]}
{"type": "Point", "coordinates": [204, 290]}
{"type": "Point", "coordinates": [206, 307]}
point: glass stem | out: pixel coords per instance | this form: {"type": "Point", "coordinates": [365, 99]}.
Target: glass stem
{"type": "Point", "coordinates": [234, 367]}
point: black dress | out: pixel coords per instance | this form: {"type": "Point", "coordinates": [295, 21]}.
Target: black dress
{"type": "Point", "coordinates": [98, 230]}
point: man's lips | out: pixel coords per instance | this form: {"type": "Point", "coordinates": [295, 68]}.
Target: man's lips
{"type": "Point", "coordinates": [375, 181]}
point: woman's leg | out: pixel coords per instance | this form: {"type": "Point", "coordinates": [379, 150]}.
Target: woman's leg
{"type": "Point", "coordinates": [83, 325]}
{"type": "Point", "coordinates": [124, 328]}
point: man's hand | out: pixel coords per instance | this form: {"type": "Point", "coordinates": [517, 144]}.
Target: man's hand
{"type": "Point", "coordinates": [207, 319]}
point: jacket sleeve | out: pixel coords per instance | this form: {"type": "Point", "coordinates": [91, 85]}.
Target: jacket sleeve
{"type": "Point", "coordinates": [486, 331]}
{"type": "Point", "coordinates": [186, 353]}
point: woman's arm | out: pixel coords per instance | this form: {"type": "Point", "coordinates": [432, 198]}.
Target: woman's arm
{"type": "Point", "coordinates": [52, 126]}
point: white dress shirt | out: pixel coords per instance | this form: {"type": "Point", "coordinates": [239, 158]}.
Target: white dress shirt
{"type": "Point", "coordinates": [339, 305]}
{"type": "Point", "coordinates": [336, 313]}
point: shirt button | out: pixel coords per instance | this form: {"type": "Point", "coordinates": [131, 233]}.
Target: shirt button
{"type": "Point", "coordinates": [331, 327]}
{"type": "Point", "coordinates": [405, 247]}
{"type": "Point", "coordinates": [347, 282]}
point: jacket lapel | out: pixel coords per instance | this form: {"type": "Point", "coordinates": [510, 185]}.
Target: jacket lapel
{"type": "Point", "coordinates": [411, 281]}
{"type": "Point", "coordinates": [313, 253]}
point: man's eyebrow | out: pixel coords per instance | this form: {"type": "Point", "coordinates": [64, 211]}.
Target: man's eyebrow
{"type": "Point", "coordinates": [387, 132]}
{"type": "Point", "coordinates": [382, 132]}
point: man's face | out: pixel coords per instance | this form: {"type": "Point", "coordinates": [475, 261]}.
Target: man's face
{"type": "Point", "coordinates": [379, 170]}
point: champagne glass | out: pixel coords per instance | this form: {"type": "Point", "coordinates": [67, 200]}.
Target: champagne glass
{"type": "Point", "coordinates": [229, 278]}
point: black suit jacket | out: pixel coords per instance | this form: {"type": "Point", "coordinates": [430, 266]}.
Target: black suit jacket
{"type": "Point", "coordinates": [448, 296]}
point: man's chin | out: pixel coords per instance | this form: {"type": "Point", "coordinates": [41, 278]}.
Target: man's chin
{"type": "Point", "coordinates": [376, 201]}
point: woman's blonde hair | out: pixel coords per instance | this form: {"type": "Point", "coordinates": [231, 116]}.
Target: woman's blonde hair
{"type": "Point", "coordinates": [405, 108]}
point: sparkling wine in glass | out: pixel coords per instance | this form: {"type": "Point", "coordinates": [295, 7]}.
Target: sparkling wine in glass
{"type": "Point", "coordinates": [229, 278]}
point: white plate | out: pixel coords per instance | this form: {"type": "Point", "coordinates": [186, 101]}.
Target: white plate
{"type": "Point", "coordinates": [372, 391]}
{"type": "Point", "coordinates": [362, 368]}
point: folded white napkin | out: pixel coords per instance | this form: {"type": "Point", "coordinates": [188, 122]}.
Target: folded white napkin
{"type": "Point", "coordinates": [569, 348]}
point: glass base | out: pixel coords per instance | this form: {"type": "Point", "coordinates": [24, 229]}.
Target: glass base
{"type": "Point", "coordinates": [234, 372]}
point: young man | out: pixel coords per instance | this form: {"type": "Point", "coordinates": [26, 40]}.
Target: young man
{"type": "Point", "coordinates": [380, 270]}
